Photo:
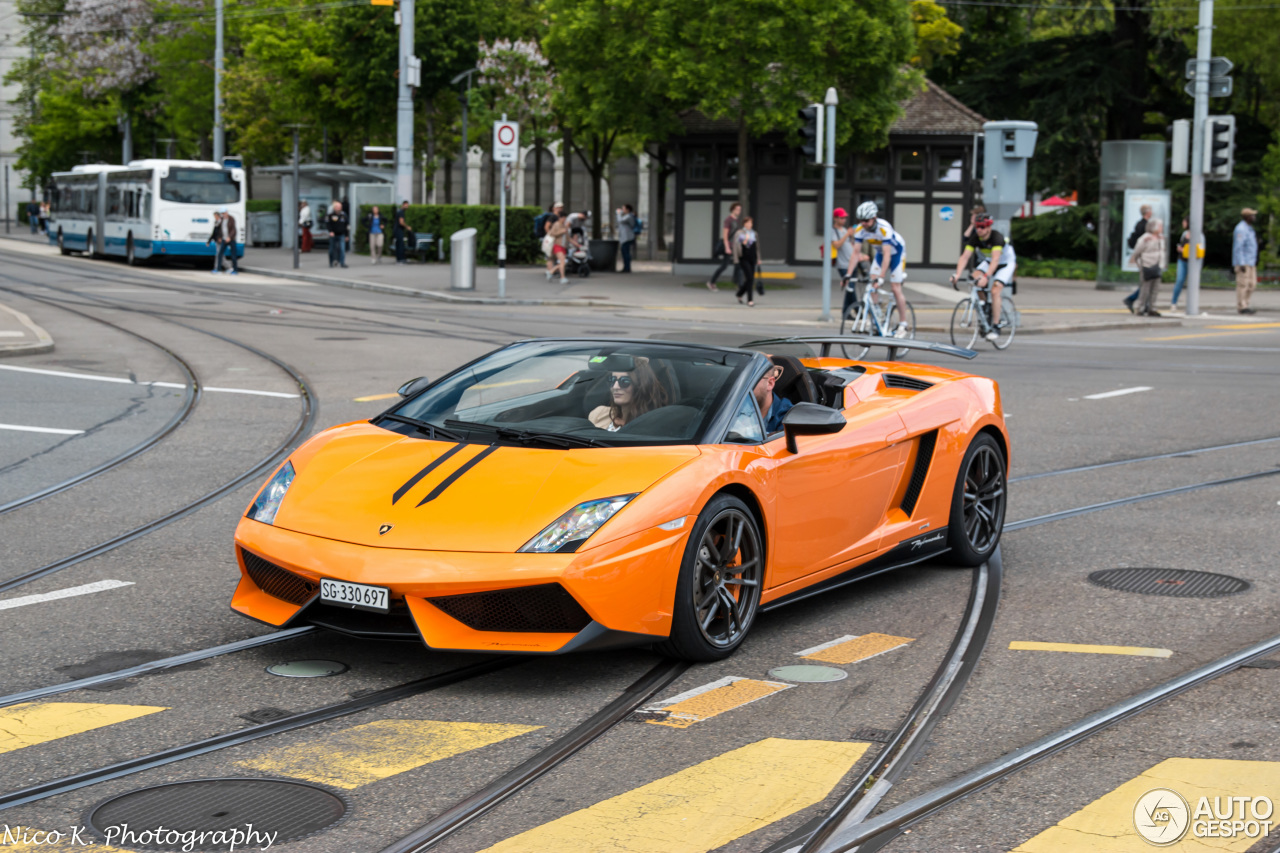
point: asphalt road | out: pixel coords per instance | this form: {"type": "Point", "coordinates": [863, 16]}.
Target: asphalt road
{"type": "Point", "coordinates": [738, 781]}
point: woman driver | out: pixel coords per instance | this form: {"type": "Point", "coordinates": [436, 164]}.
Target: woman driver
{"type": "Point", "coordinates": [634, 392]}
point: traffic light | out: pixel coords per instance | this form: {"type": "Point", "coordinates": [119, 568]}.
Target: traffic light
{"type": "Point", "coordinates": [1219, 147]}
{"type": "Point", "coordinates": [811, 133]}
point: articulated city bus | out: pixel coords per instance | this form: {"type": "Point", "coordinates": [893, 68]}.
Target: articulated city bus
{"type": "Point", "coordinates": [147, 209]}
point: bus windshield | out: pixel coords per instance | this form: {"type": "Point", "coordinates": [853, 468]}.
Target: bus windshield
{"type": "Point", "coordinates": [199, 186]}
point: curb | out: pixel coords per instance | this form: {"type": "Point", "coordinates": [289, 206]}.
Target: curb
{"type": "Point", "coordinates": [43, 342]}
{"type": "Point", "coordinates": [433, 295]}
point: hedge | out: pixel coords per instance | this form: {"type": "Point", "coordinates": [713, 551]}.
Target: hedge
{"type": "Point", "coordinates": [442, 220]}
{"type": "Point", "coordinates": [1062, 234]}
{"type": "Point", "coordinates": [262, 205]}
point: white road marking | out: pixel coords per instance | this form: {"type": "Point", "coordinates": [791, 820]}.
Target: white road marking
{"type": "Point", "coordinates": [99, 378]}
{"type": "Point", "coordinates": [947, 294]}
{"type": "Point", "coordinates": [42, 429]}
{"type": "Point", "coordinates": [1120, 393]}
{"type": "Point", "coordinates": [69, 592]}
{"type": "Point", "coordinates": [11, 334]}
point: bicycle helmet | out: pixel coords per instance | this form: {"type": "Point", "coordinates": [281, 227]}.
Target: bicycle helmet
{"type": "Point", "coordinates": [867, 210]}
{"type": "Point", "coordinates": [982, 219]}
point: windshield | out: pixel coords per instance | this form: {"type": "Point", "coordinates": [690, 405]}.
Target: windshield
{"type": "Point", "coordinates": [572, 394]}
{"type": "Point", "coordinates": [200, 186]}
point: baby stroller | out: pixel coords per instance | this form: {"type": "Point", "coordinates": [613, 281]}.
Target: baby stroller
{"type": "Point", "coordinates": [578, 257]}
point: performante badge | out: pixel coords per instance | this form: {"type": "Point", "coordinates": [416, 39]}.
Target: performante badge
{"type": "Point", "coordinates": [384, 529]}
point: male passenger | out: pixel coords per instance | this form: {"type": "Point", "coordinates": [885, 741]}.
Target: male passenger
{"type": "Point", "coordinates": [772, 406]}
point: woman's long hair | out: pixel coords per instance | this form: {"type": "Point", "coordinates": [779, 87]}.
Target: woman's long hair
{"type": "Point", "coordinates": [647, 393]}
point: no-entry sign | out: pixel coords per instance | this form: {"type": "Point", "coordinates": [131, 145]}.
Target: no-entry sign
{"type": "Point", "coordinates": [506, 141]}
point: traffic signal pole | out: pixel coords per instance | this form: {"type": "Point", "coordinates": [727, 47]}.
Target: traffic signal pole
{"type": "Point", "coordinates": [828, 195]}
{"type": "Point", "coordinates": [1204, 52]}
{"type": "Point", "coordinates": [219, 148]}
{"type": "Point", "coordinates": [404, 108]}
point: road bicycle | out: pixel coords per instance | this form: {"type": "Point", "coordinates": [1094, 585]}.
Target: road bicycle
{"type": "Point", "coordinates": [971, 318]}
{"type": "Point", "coordinates": [865, 315]}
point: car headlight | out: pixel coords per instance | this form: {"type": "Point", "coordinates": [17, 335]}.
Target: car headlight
{"type": "Point", "coordinates": [569, 531]}
{"type": "Point", "coordinates": [264, 509]}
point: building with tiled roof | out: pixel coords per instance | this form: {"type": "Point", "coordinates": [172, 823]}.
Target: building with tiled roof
{"type": "Point", "coordinates": [923, 183]}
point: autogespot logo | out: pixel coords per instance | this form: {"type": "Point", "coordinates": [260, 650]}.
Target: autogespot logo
{"type": "Point", "coordinates": [1161, 816]}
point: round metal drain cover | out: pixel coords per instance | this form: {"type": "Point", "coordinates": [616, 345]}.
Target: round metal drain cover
{"type": "Point", "coordinates": [1178, 583]}
{"type": "Point", "coordinates": [208, 812]}
{"type": "Point", "coordinates": [308, 668]}
{"type": "Point", "coordinates": [809, 673]}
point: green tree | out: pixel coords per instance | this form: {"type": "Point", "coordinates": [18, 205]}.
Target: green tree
{"type": "Point", "coordinates": [936, 34]}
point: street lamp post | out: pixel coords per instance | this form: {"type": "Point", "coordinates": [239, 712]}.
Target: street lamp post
{"type": "Point", "coordinates": [828, 194]}
{"type": "Point", "coordinates": [297, 193]}
{"type": "Point", "coordinates": [1204, 52]}
{"type": "Point", "coordinates": [404, 105]}
{"type": "Point", "coordinates": [219, 146]}
{"type": "Point", "coordinates": [462, 99]}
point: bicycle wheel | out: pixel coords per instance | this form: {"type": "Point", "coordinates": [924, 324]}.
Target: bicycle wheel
{"type": "Point", "coordinates": [854, 322]}
{"type": "Point", "coordinates": [1009, 323]}
{"type": "Point", "coordinates": [894, 319]}
{"type": "Point", "coordinates": [964, 323]}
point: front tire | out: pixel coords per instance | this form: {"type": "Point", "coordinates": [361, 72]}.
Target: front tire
{"type": "Point", "coordinates": [964, 323]}
{"type": "Point", "coordinates": [978, 503]}
{"type": "Point", "coordinates": [721, 577]}
{"type": "Point", "coordinates": [62, 246]}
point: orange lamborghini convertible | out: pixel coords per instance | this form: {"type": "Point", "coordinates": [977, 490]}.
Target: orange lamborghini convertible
{"type": "Point", "coordinates": [564, 494]}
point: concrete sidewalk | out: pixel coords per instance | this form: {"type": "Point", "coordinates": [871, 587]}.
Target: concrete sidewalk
{"type": "Point", "coordinates": [20, 336]}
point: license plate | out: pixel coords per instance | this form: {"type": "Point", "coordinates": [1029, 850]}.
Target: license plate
{"type": "Point", "coordinates": [357, 595]}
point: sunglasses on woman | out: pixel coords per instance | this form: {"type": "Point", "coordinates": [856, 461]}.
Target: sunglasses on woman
{"type": "Point", "coordinates": [620, 381]}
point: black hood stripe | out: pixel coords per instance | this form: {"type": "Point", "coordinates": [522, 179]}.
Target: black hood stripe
{"type": "Point", "coordinates": [413, 481]}
{"type": "Point", "coordinates": [452, 478]}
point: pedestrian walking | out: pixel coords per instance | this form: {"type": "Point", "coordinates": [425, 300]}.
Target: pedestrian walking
{"type": "Point", "coordinates": [402, 231]}
{"type": "Point", "coordinates": [558, 233]}
{"type": "Point", "coordinates": [45, 210]}
{"type": "Point", "coordinates": [839, 240]}
{"type": "Point", "coordinates": [746, 254]}
{"type": "Point", "coordinates": [1139, 229]}
{"type": "Point", "coordinates": [375, 224]}
{"type": "Point", "coordinates": [1151, 257]}
{"type": "Point", "coordinates": [224, 239]}
{"type": "Point", "coordinates": [1244, 259]}
{"type": "Point", "coordinates": [336, 223]}
{"type": "Point", "coordinates": [1182, 253]}
{"type": "Point", "coordinates": [33, 215]}
{"type": "Point", "coordinates": [543, 227]}
{"type": "Point", "coordinates": [722, 249]}
{"type": "Point", "coordinates": [306, 241]}
{"type": "Point", "coordinates": [626, 234]}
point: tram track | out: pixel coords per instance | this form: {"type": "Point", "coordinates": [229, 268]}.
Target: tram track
{"type": "Point", "coordinates": [301, 427]}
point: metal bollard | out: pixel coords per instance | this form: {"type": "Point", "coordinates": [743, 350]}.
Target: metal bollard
{"type": "Point", "coordinates": [462, 263]}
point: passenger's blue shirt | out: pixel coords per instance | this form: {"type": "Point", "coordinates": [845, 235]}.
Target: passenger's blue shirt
{"type": "Point", "coordinates": [375, 225]}
{"type": "Point", "coordinates": [779, 407]}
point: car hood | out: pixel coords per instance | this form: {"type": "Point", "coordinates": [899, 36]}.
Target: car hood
{"type": "Point", "coordinates": [386, 490]}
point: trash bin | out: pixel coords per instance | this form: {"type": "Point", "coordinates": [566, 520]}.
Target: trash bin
{"type": "Point", "coordinates": [264, 228]}
{"type": "Point", "coordinates": [462, 248]}
{"type": "Point", "coordinates": [604, 255]}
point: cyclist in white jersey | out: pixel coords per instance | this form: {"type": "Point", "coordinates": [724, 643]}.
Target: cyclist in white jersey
{"type": "Point", "coordinates": [876, 233]}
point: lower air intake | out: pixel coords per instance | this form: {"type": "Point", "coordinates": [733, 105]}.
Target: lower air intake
{"type": "Point", "coordinates": [277, 582]}
{"type": "Point", "coordinates": [546, 608]}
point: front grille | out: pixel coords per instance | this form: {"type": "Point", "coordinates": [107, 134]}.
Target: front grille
{"type": "Point", "coordinates": [924, 455]}
{"type": "Point", "coordinates": [277, 582]}
{"type": "Point", "coordinates": [545, 608]}
{"type": "Point", "coordinates": [910, 383]}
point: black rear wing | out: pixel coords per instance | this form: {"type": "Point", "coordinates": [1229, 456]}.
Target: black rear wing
{"type": "Point", "coordinates": [892, 344]}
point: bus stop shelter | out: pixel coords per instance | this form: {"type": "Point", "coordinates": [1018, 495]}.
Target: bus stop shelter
{"type": "Point", "coordinates": [321, 184]}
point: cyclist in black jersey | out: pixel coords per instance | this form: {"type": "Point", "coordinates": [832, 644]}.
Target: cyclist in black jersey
{"type": "Point", "coordinates": [996, 263]}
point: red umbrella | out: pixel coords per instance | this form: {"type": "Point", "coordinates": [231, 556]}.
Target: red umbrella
{"type": "Point", "coordinates": [1056, 201]}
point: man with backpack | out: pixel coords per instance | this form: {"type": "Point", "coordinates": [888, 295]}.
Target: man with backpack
{"type": "Point", "coordinates": [1139, 228]}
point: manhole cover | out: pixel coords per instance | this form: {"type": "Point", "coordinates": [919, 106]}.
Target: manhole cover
{"type": "Point", "coordinates": [1179, 583]}
{"type": "Point", "coordinates": [307, 668]}
{"type": "Point", "coordinates": [207, 813]}
{"type": "Point", "coordinates": [809, 673]}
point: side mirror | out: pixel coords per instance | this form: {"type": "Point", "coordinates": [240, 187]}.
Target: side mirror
{"type": "Point", "coordinates": [413, 386]}
{"type": "Point", "coordinates": [810, 419]}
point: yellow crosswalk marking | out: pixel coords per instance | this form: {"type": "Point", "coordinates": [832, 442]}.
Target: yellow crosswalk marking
{"type": "Point", "coordinates": [373, 397]}
{"type": "Point", "coordinates": [1023, 646]}
{"type": "Point", "coordinates": [31, 723]}
{"type": "Point", "coordinates": [709, 700]}
{"type": "Point", "coordinates": [377, 750]}
{"type": "Point", "coordinates": [851, 649]}
{"type": "Point", "coordinates": [703, 807]}
{"type": "Point", "coordinates": [1107, 824]}
{"type": "Point", "coordinates": [30, 839]}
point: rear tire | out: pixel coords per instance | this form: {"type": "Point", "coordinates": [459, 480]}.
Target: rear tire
{"type": "Point", "coordinates": [978, 503]}
{"type": "Point", "coordinates": [62, 246]}
{"type": "Point", "coordinates": [721, 577]}
{"type": "Point", "coordinates": [1008, 316]}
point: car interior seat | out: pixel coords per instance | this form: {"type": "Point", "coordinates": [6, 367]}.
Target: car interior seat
{"type": "Point", "coordinates": [795, 383]}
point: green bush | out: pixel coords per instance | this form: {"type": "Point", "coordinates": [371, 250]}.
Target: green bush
{"type": "Point", "coordinates": [1064, 233]}
{"type": "Point", "coordinates": [262, 205]}
{"type": "Point", "coordinates": [1057, 268]}
{"type": "Point", "coordinates": [442, 220]}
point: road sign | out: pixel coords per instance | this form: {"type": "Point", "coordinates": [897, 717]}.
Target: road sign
{"type": "Point", "coordinates": [506, 141]}
{"type": "Point", "coordinates": [1219, 87]}
{"type": "Point", "coordinates": [1219, 66]}
{"type": "Point", "coordinates": [379, 155]}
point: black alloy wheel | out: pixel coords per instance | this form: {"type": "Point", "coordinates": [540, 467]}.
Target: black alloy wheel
{"type": "Point", "coordinates": [721, 577]}
{"type": "Point", "coordinates": [978, 505]}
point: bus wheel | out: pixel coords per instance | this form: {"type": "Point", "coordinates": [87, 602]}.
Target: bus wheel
{"type": "Point", "coordinates": [61, 245]}
{"type": "Point", "coordinates": [129, 257]}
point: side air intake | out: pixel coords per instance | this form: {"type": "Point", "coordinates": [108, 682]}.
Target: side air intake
{"type": "Point", "coordinates": [545, 608]}
{"type": "Point", "coordinates": [910, 383]}
{"type": "Point", "coordinates": [924, 456]}
{"type": "Point", "coordinates": [277, 582]}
